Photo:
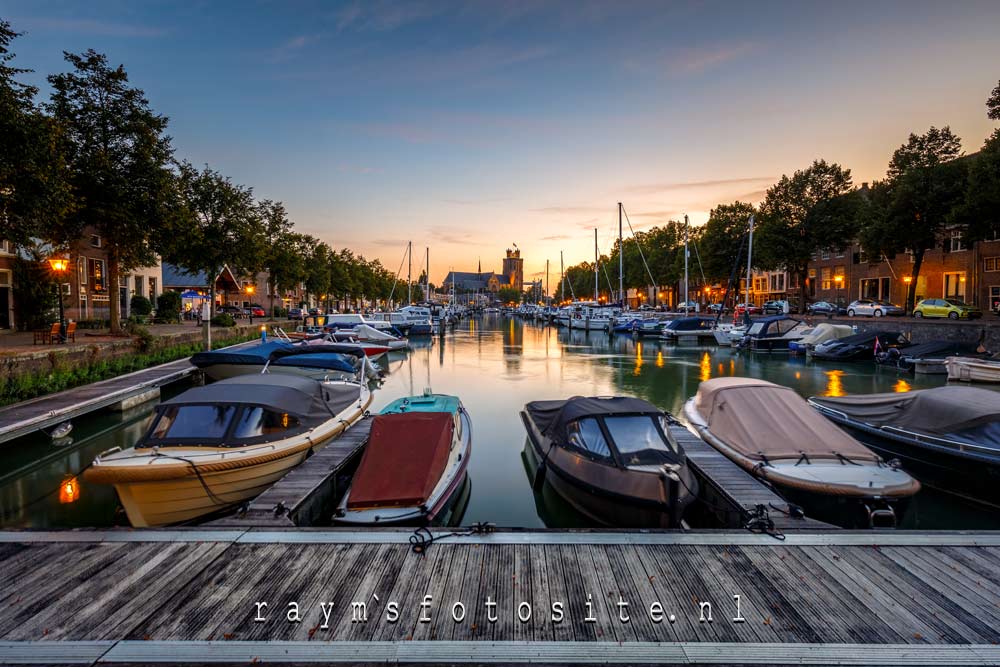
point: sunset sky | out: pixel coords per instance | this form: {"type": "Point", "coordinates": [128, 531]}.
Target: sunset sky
{"type": "Point", "coordinates": [467, 127]}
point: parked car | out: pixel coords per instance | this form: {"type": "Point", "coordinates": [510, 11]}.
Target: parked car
{"type": "Point", "coordinates": [295, 313]}
{"type": "Point", "coordinates": [873, 308]}
{"type": "Point", "coordinates": [256, 310]}
{"type": "Point", "coordinates": [951, 308]}
{"type": "Point", "coordinates": [750, 308]}
{"type": "Point", "coordinates": [235, 311]}
{"type": "Point", "coordinates": [313, 312]}
{"type": "Point", "coordinates": [775, 307]}
{"type": "Point", "coordinates": [716, 308]}
{"type": "Point", "coordinates": [688, 306]}
{"type": "Point", "coordinates": [825, 308]}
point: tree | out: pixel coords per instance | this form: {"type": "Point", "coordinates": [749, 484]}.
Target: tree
{"type": "Point", "coordinates": [281, 257]}
{"type": "Point", "coordinates": [803, 214]}
{"type": "Point", "coordinates": [916, 204]}
{"type": "Point", "coordinates": [508, 295]}
{"type": "Point", "coordinates": [993, 104]}
{"type": "Point", "coordinates": [215, 224]}
{"type": "Point", "coordinates": [119, 160]}
{"type": "Point", "coordinates": [979, 211]}
{"type": "Point", "coordinates": [721, 239]}
{"type": "Point", "coordinates": [35, 196]}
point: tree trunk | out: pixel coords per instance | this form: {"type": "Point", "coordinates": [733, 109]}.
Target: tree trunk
{"type": "Point", "coordinates": [911, 290]}
{"type": "Point", "coordinates": [114, 292]}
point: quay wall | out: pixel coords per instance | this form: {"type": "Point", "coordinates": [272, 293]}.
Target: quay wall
{"type": "Point", "coordinates": [924, 330]}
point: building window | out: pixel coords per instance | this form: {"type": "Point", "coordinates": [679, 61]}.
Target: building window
{"type": "Point", "coordinates": [152, 290]}
{"type": "Point", "coordinates": [777, 282]}
{"type": "Point", "coordinates": [96, 275]}
{"type": "Point", "coordinates": [991, 264]}
{"type": "Point", "coordinates": [909, 253]}
{"type": "Point", "coordinates": [954, 285]}
{"type": "Point", "coordinates": [995, 298]}
{"type": "Point", "coordinates": [840, 254]}
{"type": "Point", "coordinates": [4, 246]}
{"type": "Point", "coordinates": [825, 255]}
{"type": "Point", "coordinates": [5, 278]}
{"type": "Point", "coordinates": [875, 288]}
{"type": "Point", "coordinates": [81, 271]}
{"type": "Point", "coordinates": [95, 240]}
{"type": "Point", "coordinates": [826, 277]}
{"type": "Point", "coordinates": [954, 243]}
{"type": "Point", "coordinates": [138, 285]}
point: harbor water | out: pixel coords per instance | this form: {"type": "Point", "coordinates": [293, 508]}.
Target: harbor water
{"type": "Point", "coordinates": [495, 365]}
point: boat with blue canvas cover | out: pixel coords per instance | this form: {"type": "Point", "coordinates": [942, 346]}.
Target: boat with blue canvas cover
{"type": "Point", "coordinates": [414, 464]}
{"type": "Point", "coordinates": [774, 334]}
{"type": "Point", "coordinates": [332, 361]}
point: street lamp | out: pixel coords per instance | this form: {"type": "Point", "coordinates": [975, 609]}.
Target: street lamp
{"type": "Point", "coordinates": [249, 289]}
{"type": "Point", "coordinates": [840, 281]}
{"type": "Point", "coordinates": [59, 266]}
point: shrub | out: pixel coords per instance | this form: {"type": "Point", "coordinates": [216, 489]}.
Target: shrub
{"type": "Point", "coordinates": [223, 320]}
{"type": "Point", "coordinates": [279, 312]}
{"type": "Point", "coordinates": [168, 307]}
{"type": "Point", "coordinates": [36, 303]}
{"type": "Point", "coordinates": [140, 305]}
{"type": "Point", "coordinates": [143, 338]}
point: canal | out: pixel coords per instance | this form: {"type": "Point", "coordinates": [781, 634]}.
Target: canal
{"type": "Point", "coordinates": [495, 365]}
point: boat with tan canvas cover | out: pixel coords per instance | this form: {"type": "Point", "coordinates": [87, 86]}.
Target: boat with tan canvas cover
{"type": "Point", "coordinates": [213, 447]}
{"type": "Point", "coordinates": [773, 433]}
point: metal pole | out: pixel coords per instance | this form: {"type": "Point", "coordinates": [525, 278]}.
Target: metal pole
{"type": "Point", "coordinates": [687, 288]}
{"type": "Point", "coordinates": [546, 280]}
{"type": "Point", "coordinates": [595, 264]}
{"type": "Point", "coordinates": [562, 279]}
{"type": "Point", "coordinates": [409, 272]}
{"type": "Point", "coordinates": [621, 261]}
{"type": "Point", "coordinates": [749, 260]}
{"type": "Point", "coordinates": [427, 278]}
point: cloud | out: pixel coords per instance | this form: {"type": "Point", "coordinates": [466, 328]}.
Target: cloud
{"type": "Point", "coordinates": [695, 61]}
{"type": "Point", "coordinates": [570, 210]}
{"type": "Point", "coordinates": [390, 243]}
{"type": "Point", "coordinates": [556, 237]}
{"type": "Point", "coordinates": [91, 27]}
{"type": "Point", "coordinates": [449, 235]}
{"type": "Point", "coordinates": [756, 195]}
{"type": "Point", "coordinates": [290, 47]}
{"type": "Point", "coordinates": [476, 202]}
{"type": "Point", "coordinates": [383, 16]}
{"type": "Point", "coordinates": [654, 188]}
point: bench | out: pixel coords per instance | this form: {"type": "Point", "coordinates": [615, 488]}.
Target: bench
{"type": "Point", "coordinates": [46, 336]}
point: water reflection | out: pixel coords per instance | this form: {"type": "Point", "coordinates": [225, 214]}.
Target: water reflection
{"type": "Point", "coordinates": [835, 383]}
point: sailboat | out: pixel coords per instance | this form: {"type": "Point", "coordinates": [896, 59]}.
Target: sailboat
{"type": "Point", "coordinates": [727, 334]}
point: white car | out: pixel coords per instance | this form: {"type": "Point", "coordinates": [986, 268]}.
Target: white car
{"type": "Point", "coordinates": [872, 308]}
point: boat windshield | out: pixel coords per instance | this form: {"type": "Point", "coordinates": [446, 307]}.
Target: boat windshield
{"type": "Point", "coordinates": [640, 442]}
{"type": "Point", "coordinates": [585, 434]}
{"type": "Point", "coordinates": [204, 422]}
{"type": "Point", "coordinates": [755, 328]}
{"type": "Point", "coordinates": [256, 422]}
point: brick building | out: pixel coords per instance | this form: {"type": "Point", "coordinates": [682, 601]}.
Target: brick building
{"type": "Point", "coordinates": [970, 272]}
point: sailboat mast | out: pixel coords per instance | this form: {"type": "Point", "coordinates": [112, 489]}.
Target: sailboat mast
{"type": "Point", "coordinates": [687, 289]}
{"type": "Point", "coordinates": [749, 259]}
{"type": "Point", "coordinates": [621, 260]}
{"type": "Point", "coordinates": [595, 264]}
{"type": "Point", "coordinates": [409, 272]}
{"type": "Point", "coordinates": [427, 277]}
{"type": "Point", "coordinates": [546, 280]}
{"type": "Point", "coordinates": [562, 279]}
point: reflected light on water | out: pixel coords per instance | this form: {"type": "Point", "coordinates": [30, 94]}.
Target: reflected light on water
{"type": "Point", "coordinates": [69, 491]}
{"type": "Point", "coordinates": [901, 386]}
{"type": "Point", "coordinates": [798, 375]}
{"type": "Point", "coordinates": [659, 359]}
{"type": "Point", "coordinates": [638, 359]}
{"type": "Point", "coordinates": [834, 383]}
{"type": "Point", "coordinates": [706, 367]}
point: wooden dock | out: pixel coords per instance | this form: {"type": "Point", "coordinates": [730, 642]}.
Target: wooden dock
{"type": "Point", "coordinates": [306, 495]}
{"type": "Point", "coordinates": [43, 412]}
{"type": "Point", "coordinates": [191, 596]}
{"type": "Point", "coordinates": [729, 494]}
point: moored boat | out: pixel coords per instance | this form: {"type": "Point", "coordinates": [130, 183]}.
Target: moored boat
{"type": "Point", "coordinates": [214, 447]}
{"type": "Point", "coordinates": [774, 334]}
{"type": "Point", "coordinates": [772, 432]}
{"type": "Point", "coordinates": [949, 437]}
{"type": "Point", "coordinates": [821, 333]}
{"type": "Point", "coordinates": [972, 370]}
{"type": "Point", "coordinates": [688, 328]}
{"type": "Point", "coordinates": [413, 465]}
{"type": "Point", "coordinates": [612, 458]}
{"type": "Point", "coordinates": [318, 361]}
{"type": "Point", "coordinates": [858, 347]}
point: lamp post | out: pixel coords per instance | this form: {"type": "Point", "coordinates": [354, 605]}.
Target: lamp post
{"type": "Point", "coordinates": [839, 280]}
{"type": "Point", "coordinates": [59, 266]}
{"type": "Point", "coordinates": [249, 289]}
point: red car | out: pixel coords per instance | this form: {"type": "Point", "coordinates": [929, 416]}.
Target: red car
{"type": "Point", "coordinates": [748, 307]}
{"type": "Point", "coordinates": [257, 311]}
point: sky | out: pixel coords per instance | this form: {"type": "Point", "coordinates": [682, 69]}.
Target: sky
{"type": "Point", "coordinates": [467, 128]}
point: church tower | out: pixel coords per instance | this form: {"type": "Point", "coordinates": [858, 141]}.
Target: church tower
{"type": "Point", "coordinates": [513, 269]}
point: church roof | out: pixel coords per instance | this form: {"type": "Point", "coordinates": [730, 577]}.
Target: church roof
{"type": "Point", "coordinates": [471, 279]}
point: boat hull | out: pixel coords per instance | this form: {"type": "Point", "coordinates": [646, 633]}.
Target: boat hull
{"type": "Point", "coordinates": [975, 478]}
{"type": "Point", "coordinates": [607, 496]}
{"type": "Point", "coordinates": [166, 495]}
{"type": "Point", "coordinates": [972, 370]}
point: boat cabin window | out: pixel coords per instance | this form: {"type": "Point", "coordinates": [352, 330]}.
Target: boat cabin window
{"type": "Point", "coordinates": [255, 422]}
{"type": "Point", "coordinates": [639, 441]}
{"type": "Point", "coordinates": [204, 422]}
{"type": "Point", "coordinates": [586, 435]}
{"type": "Point", "coordinates": [755, 328]}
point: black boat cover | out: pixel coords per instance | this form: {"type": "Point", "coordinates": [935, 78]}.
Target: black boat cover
{"type": "Point", "coordinates": [859, 345]}
{"type": "Point", "coordinates": [312, 401]}
{"type": "Point", "coordinates": [965, 413]}
{"type": "Point", "coordinates": [937, 348]}
{"type": "Point", "coordinates": [551, 417]}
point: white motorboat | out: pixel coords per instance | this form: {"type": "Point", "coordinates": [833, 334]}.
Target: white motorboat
{"type": "Point", "coordinates": [968, 369]}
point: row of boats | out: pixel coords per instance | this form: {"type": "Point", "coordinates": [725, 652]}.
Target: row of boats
{"type": "Point", "coordinates": [855, 460]}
